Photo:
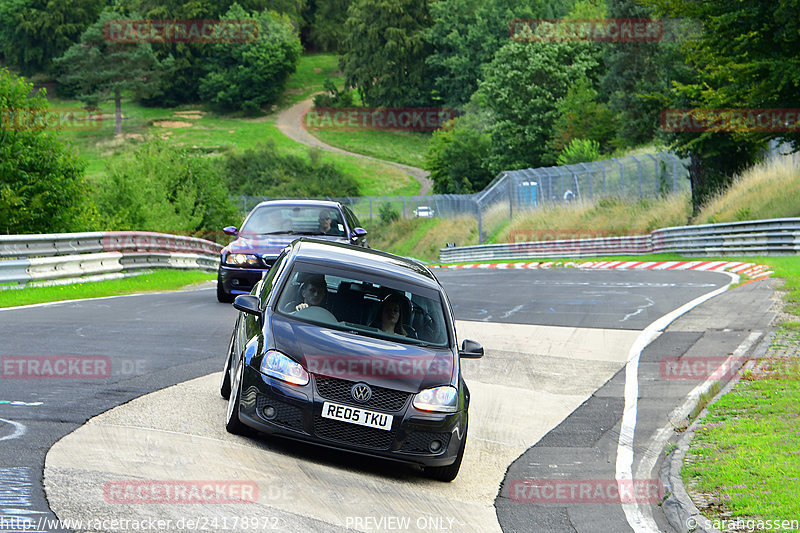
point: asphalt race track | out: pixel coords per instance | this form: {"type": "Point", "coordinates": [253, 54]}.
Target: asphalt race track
{"type": "Point", "coordinates": [553, 405]}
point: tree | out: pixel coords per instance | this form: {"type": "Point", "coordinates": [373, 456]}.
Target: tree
{"type": "Point", "coordinates": [41, 179]}
{"type": "Point", "coordinates": [34, 32]}
{"type": "Point", "coordinates": [385, 52]}
{"type": "Point", "coordinates": [639, 74]}
{"type": "Point", "coordinates": [326, 29]}
{"type": "Point", "coordinates": [744, 57]}
{"type": "Point", "coordinates": [465, 34]}
{"type": "Point", "coordinates": [581, 116]}
{"type": "Point", "coordinates": [522, 87]}
{"type": "Point", "coordinates": [181, 81]}
{"type": "Point", "coordinates": [248, 75]}
{"type": "Point", "coordinates": [102, 69]}
{"type": "Point", "coordinates": [458, 156]}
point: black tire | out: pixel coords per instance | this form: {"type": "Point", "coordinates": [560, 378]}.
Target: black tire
{"type": "Point", "coordinates": [222, 296]}
{"type": "Point", "coordinates": [448, 473]}
{"type": "Point", "coordinates": [232, 422]}
{"type": "Point", "coordinates": [225, 384]}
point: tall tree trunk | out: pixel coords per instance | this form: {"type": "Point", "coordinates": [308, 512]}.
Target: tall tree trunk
{"type": "Point", "coordinates": [118, 112]}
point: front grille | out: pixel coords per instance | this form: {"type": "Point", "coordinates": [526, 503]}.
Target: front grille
{"type": "Point", "coordinates": [289, 416]}
{"type": "Point", "coordinates": [361, 436]}
{"type": "Point", "coordinates": [338, 390]}
{"type": "Point", "coordinates": [420, 441]}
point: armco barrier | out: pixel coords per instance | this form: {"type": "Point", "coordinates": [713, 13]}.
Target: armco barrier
{"type": "Point", "coordinates": [75, 255]}
{"type": "Point", "coordinates": [758, 237]}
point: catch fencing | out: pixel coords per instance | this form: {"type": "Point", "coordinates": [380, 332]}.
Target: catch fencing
{"type": "Point", "coordinates": [73, 256]}
{"type": "Point", "coordinates": [779, 236]}
{"type": "Point", "coordinates": [636, 176]}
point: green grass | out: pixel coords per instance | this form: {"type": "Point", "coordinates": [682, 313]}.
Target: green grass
{"type": "Point", "coordinates": [158, 280]}
{"type": "Point", "coordinates": [744, 456]}
{"type": "Point", "coordinates": [312, 69]}
{"type": "Point", "coordinates": [406, 147]}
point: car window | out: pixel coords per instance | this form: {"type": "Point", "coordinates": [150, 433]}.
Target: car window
{"type": "Point", "coordinates": [271, 277]}
{"type": "Point", "coordinates": [293, 219]}
{"type": "Point", "coordinates": [353, 219]}
{"type": "Point", "coordinates": [365, 304]}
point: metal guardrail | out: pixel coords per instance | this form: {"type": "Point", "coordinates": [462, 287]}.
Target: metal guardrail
{"type": "Point", "coordinates": [75, 255]}
{"type": "Point", "coordinates": [758, 237]}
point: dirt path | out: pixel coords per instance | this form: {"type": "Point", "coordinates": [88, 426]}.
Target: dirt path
{"type": "Point", "coordinates": [290, 122]}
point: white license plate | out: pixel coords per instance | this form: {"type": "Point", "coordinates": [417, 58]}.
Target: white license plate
{"type": "Point", "coordinates": [355, 415]}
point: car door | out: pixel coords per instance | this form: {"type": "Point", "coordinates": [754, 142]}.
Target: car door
{"type": "Point", "coordinates": [352, 221]}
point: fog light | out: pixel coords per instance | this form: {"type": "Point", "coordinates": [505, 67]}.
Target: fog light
{"type": "Point", "coordinates": [269, 412]}
{"type": "Point", "coordinates": [235, 282]}
{"type": "Point", "coordinates": [435, 446]}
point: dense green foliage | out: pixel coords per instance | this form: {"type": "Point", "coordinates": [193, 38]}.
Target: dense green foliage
{"type": "Point", "coordinates": [264, 171]}
{"type": "Point", "coordinates": [582, 116]}
{"type": "Point", "coordinates": [458, 156]}
{"type": "Point", "coordinates": [101, 69]}
{"type": "Point", "coordinates": [385, 51]}
{"type": "Point", "coordinates": [41, 178]}
{"type": "Point", "coordinates": [522, 87]}
{"type": "Point", "coordinates": [161, 187]}
{"type": "Point", "coordinates": [34, 32]}
{"type": "Point", "coordinates": [245, 76]}
{"type": "Point", "coordinates": [465, 35]}
{"type": "Point", "coordinates": [579, 151]}
{"type": "Point", "coordinates": [326, 31]}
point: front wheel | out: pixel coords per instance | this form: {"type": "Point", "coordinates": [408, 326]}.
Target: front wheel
{"type": "Point", "coordinates": [232, 422]}
{"type": "Point", "coordinates": [449, 472]}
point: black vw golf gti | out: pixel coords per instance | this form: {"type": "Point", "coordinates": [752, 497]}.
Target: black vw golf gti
{"type": "Point", "coordinates": [353, 349]}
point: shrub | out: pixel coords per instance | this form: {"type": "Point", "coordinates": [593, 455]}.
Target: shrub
{"type": "Point", "coordinates": [160, 187]}
{"type": "Point", "coordinates": [263, 171]}
{"type": "Point", "coordinates": [579, 151]}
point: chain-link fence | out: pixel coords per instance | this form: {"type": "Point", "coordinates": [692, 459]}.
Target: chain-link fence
{"type": "Point", "coordinates": [634, 176]}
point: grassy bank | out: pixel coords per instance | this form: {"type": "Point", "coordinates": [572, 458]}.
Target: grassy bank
{"type": "Point", "coordinates": [157, 281]}
{"type": "Point", "coordinates": [215, 134]}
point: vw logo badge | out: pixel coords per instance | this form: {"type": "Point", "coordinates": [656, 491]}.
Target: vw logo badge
{"type": "Point", "coordinates": [361, 392]}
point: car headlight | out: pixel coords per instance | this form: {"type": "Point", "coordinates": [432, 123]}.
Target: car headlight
{"type": "Point", "coordinates": [242, 260]}
{"type": "Point", "coordinates": [440, 399]}
{"type": "Point", "coordinates": [279, 366]}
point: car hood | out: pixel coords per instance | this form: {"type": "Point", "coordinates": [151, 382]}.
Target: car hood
{"type": "Point", "coordinates": [269, 246]}
{"type": "Point", "coordinates": [359, 358]}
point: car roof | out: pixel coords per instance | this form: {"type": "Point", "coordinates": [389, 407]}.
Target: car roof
{"type": "Point", "coordinates": [344, 256]}
{"type": "Point", "coordinates": [311, 203]}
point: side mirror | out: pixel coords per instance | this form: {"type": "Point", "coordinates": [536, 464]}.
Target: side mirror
{"type": "Point", "coordinates": [358, 233]}
{"type": "Point", "coordinates": [230, 230]}
{"type": "Point", "coordinates": [247, 303]}
{"type": "Point", "coordinates": [470, 350]}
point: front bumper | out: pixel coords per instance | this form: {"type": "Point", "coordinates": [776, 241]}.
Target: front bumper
{"type": "Point", "coordinates": [236, 280]}
{"type": "Point", "coordinates": [298, 415]}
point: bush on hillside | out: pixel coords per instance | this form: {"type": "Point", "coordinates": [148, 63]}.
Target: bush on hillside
{"type": "Point", "coordinates": [264, 171]}
{"type": "Point", "coordinates": [165, 188]}
{"type": "Point", "coordinates": [41, 178]}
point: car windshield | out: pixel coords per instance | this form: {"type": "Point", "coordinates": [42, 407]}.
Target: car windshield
{"type": "Point", "coordinates": [294, 220]}
{"type": "Point", "coordinates": [365, 304]}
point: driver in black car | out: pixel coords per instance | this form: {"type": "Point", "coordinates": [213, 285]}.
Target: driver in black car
{"type": "Point", "coordinates": [314, 292]}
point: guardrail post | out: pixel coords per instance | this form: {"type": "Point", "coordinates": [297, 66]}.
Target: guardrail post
{"type": "Point", "coordinates": [639, 166]}
{"type": "Point", "coordinates": [655, 168]}
{"type": "Point", "coordinates": [621, 176]}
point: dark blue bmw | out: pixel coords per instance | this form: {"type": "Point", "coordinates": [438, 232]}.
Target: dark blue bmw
{"type": "Point", "coordinates": [269, 227]}
{"type": "Point", "coordinates": [353, 349]}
